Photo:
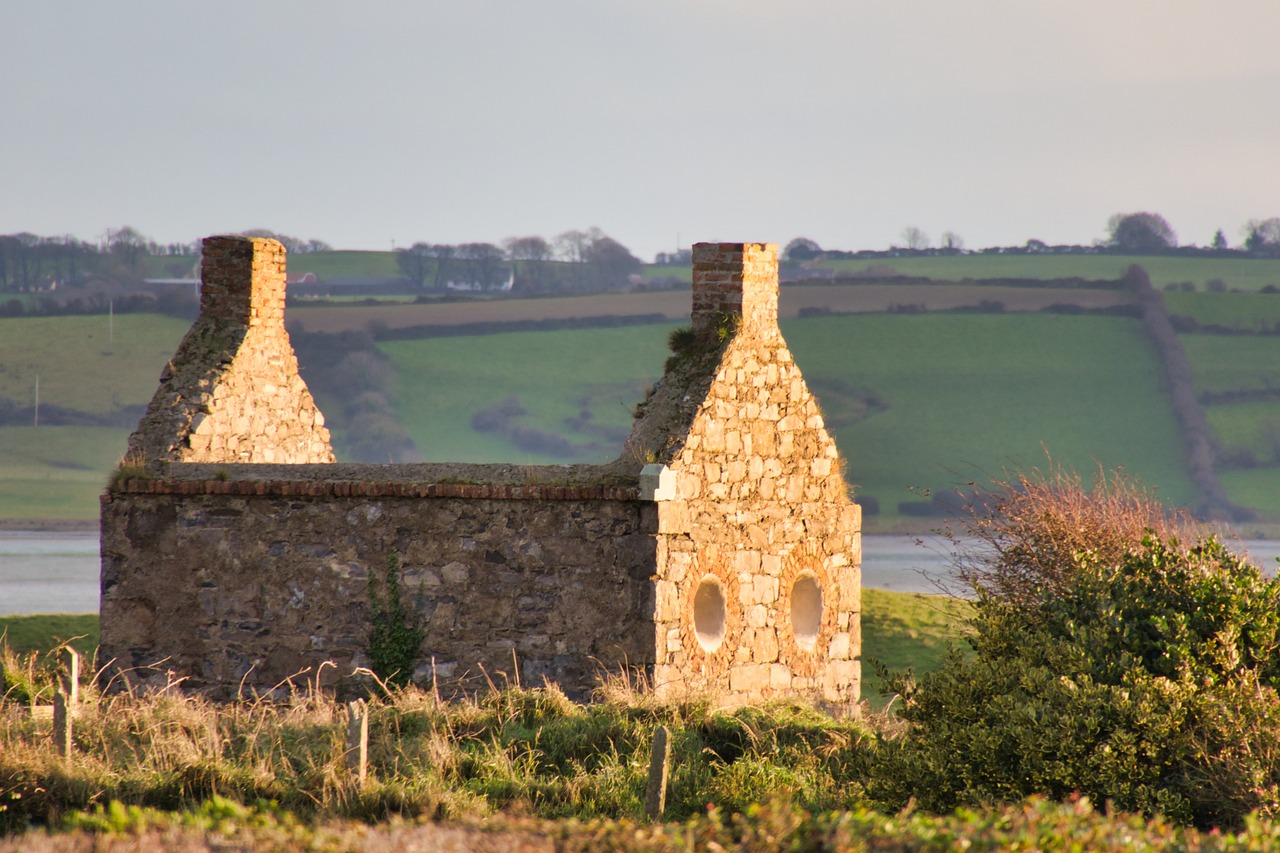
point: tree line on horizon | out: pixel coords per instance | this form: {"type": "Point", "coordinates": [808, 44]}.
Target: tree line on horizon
{"type": "Point", "coordinates": [575, 260]}
{"type": "Point", "coordinates": [1141, 232]}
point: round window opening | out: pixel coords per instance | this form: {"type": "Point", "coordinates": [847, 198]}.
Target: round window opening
{"type": "Point", "coordinates": [806, 611]}
{"type": "Point", "coordinates": [708, 614]}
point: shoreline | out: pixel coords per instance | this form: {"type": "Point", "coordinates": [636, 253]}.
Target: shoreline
{"type": "Point", "coordinates": [871, 526]}
{"type": "Point", "coordinates": [50, 525]}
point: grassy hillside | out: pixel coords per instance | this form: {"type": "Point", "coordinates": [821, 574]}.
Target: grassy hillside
{"type": "Point", "coordinates": [444, 383]}
{"type": "Point", "coordinates": [954, 397]}
{"type": "Point", "coordinates": [1243, 273]}
{"type": "Point", "coordinates": [92, 366]}
{"type": "Point", "coordinates": [1248, 311]}
{"type": "Point", "coordinates": [972, 396]}
{"type": "Point", "coordinates": [56, 473]}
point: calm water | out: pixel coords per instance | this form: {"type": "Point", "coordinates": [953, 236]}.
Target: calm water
{"type": "Point", "coordinates": [58, 572]}
{"type": "Point", "coordinates": [48, 572]}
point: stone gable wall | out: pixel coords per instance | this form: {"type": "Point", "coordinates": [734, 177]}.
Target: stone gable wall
{"type": "Point", "coordinates": [759, 504]}
{"type": "Point", "coordinates": [232, 392]}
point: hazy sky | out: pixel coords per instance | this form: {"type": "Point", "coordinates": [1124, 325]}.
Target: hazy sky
{"type": "Point", "coordinates": [659, 121]}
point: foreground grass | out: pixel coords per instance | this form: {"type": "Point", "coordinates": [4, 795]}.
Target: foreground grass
{"type": "Point", "coordinates": [514, 769]}
{"type": "Point", "coordinates": [517, 769]}
{"type": "Point", "coordinates": [777, 825]}
{"type": "Point", "coordinates": [523, 751]}
{"type": "Point", "coordinates": [42, 634]}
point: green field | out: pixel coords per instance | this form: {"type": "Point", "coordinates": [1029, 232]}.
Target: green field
{"type": "Point", "coordinates": [970, 397]}
{"type": "Point", "coordinates": [1243, 273]}
{"type": "Point", "coordinates": [967, 396]}
{"type": "Point", "coordinates": [94, 365]}
{"type": "Point", "coordinates": [444, 382]}
{"type": "Point", "coordinates": [23, 635]}
{"type": "Point", "coordinates": [1250, 311]}
{"type": "Point", "coordinates": [56, 473]}
{"type": "Point", "coordinates": [909, 631]}
{"type": "Point", "coordinates": [1233, 362]}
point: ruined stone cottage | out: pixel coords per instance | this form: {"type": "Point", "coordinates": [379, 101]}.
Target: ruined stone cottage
{"type": "Point", "coordinates": [719, 552]}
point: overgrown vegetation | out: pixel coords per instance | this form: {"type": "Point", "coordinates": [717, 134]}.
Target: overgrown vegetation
{"type": "Point", "coordinates": [395, 636]}
{"type": "Point", "coordinates": [1116, 653]}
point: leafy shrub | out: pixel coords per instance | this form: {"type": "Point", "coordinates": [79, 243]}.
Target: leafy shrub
{"type": "Point", "coordinates": [1107, 661]}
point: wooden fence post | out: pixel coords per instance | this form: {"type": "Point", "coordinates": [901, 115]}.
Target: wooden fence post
{"type": "Point", "coordinates": [655, 800]}
{"type": "Point", "coordinates": [358, 739]}
{"type": "Point", "coordinates": [72, 682]}
{"type": "Point", "coordinates": [62, 725]}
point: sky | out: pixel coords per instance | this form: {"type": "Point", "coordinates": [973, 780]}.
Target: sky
{"type": "Point", "coordinates": [663, 122]}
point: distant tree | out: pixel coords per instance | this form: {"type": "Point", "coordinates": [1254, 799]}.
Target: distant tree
{"type": "Point", "coordinates": [415, 263]}
{"type": "Point", "coordinates": [801, 249]}
{"type": "Point", "coordinates": [527, 248]}
{"type": "Point", "coordinates": [612, 262]}
{"type": "Point", "coordinates": [483, 262]}
{"type": "Point", "coordinates": [952, 241]}
{"type": "Point", "coordinates": [1140, 232]}
{"type": "Point", "coordinates": [1034, 245]}
{"type": "Point", "coordinates": [128, 245]}
{"type": "Point", "coordinates": [1219, 241]}
{"type": "Point", "coordinates": [1262, 235]}
{"type": "Point", "coordinates": [914, 238]}
{"type": "Point", "coordinates": [292, 245]}
{"type": "Point", "coordinates": [572, 245]}
{"type": "Point", "coordinates": [680, 257]}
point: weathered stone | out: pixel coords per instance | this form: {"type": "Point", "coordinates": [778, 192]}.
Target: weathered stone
{"type": "Point", "coordinates": [249, 574]}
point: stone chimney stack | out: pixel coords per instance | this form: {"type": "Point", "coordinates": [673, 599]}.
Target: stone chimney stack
{"type": "Point", "coordinates": [242, 281]}
{"type": "Point", "coordinates": [735, 279]}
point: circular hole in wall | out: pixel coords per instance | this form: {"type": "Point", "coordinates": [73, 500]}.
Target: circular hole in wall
{"type": "Point", "coordinates": [806, 611]}
{"type": "Point", "coordinates": [709, 614]}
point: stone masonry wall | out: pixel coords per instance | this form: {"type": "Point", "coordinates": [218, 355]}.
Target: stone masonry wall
{"type": "Point", "coordinates": [758, 515]}
{"type": "Point", "coordinates": [733, 567]}
{"type": "Point", "coordinates": [232, 392]}
{"type": "Point", "coordinates": [247, 582]}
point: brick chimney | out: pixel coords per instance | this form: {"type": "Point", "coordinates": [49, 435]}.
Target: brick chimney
{"type": "Point", "coordinates": [736, 279]}
{"type": "Point", "coordinates": [242, 281]}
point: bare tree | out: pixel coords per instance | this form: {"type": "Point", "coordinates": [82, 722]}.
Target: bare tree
{"type": "Point", "coordinates": [952, 241]}
{"type": "Point", "coordinates": [527, 248]}
{"type": "Point", "coordinates": [915, 238]}
{"type": "Point", "coordinates": [1262, 235]}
